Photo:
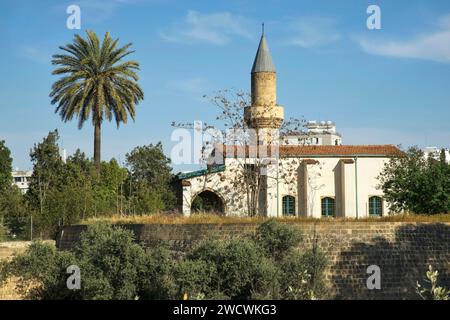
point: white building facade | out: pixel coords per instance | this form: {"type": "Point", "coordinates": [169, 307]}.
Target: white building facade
{"type": "Point", "coordinates": [317, 133]}
{"type": "Point", "coordinates": [307, 181]}
{"type": "Point", "coordinates": [436, 152]}
{"type": "Point", "coordinates": [22, 179]}
{"type": "Point", "coordinates": [311, 174]}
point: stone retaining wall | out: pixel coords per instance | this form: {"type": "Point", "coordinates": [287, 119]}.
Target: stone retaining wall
{"type": "Point", "coordinates": [403, 251]}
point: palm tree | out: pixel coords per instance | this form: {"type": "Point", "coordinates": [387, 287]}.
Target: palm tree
{"type": "Point", "coordinates": [95, 85]}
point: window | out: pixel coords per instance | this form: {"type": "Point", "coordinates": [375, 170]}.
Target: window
{"type": "Point", "coordinates": [328, 207]}
{"type": "Point", "coordinates": [288, 206]}
{"type": "Point", "coordinates": [375, 206]}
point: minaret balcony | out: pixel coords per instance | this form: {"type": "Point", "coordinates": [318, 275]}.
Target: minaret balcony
{"type": "Point", "coordinates": [264, 116]}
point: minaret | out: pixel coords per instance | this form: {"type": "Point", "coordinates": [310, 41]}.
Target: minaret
{"type": "Point", "coordinates": [264, 114]}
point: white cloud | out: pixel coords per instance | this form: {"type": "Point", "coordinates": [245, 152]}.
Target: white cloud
{"type": "Point", "coordinates": [313, 31]}
{"type": "Point", "coordinates": [195, 85]}
{"type": "Point", "coordinates": [36, 55]}
{"type": "Point", "coordinates": [434, 46]}
{"type": "Point", "coordinates": [214, 28]}
{"type": "Point", "coordinates": [98, 11]}
{"type": "Point", "coordinates": [194, 88]}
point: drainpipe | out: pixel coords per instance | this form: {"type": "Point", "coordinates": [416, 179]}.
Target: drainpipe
{"type": "Point", "coordinates": [356, 186]}
{"type": "Point", "coordinates": [278, 193]}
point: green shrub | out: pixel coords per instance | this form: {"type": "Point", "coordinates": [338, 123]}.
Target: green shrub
{"type": "Point", "coordinates": [41, 271]}
{"type": "Point", "coordinates": [244, 270]}
{"type": "Point", "coordinates": [265, 266]}
{"type": "Point", "coordinates": [277, 239]}
{"type": "Point", "coordinates": [155, 277]}
{"type": "Point", "coordinates": [194, 278]}
{"type": "Point", "coordinates": [433, 291]}
{"type": "Point", "coordinates": [118, 268]}
{"type": "Point", "coordinates": [302, 275]}
{"type": "Point", "coordinates": [111, 265]}
{"type": "Point", "coordinates": [233, 269]}
{"type": "Point", "coordinates": [2, 233]}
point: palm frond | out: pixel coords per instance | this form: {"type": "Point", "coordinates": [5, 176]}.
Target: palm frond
{"type": "Point", "coordinates": [95, 82]}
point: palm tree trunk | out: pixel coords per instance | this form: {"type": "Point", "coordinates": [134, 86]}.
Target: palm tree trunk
{"type": "Point", "coordinates": [97, 146]}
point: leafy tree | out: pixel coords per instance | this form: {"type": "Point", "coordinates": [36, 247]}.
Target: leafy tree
{"type": "Point", "coordinates": [149, 163]}
{"type": "Point", "coordinates": [5, 167]}
{"type": "Point", "coordinates": [150, 178]}
{"type": "Point", "coordinates": [79, 158]}
{"type": "Point", "coordinates": [14, 212]}
{"type": "Point", "coordinates": [95, 84]}
{"type": "Point", "coordinates": [47, 172]}
{"type": "Point", "coordinates": [415, 183]}
{"type": "Point", "coordinates": [2, 233]}
{"type": "Point", "coordinates": [143, 199]}
{"type": "Point", "coordinates": [73, 198]}
{"type": "Point", "coordinates": [65, 193]}
{"type": "Point", "coordinates": [13, 208]}
{"type": "Point", "coordinates": [95, 194]}
{"type": "Point", "coordinates": [108, 189]}
{"type": "Point", "coordinates": [77, 197]}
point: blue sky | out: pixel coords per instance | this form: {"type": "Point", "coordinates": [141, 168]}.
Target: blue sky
{"type": "Point", "coordinates": [380, 86]}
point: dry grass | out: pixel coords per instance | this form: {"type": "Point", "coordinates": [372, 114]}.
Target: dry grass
{"type": "Point", "coordinates": [9, 291]}
{"type": "Point", "coordinates": [216, 219]}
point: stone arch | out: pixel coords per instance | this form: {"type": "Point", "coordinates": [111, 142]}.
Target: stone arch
{"type": "Point", "coordinates": [208, 201]}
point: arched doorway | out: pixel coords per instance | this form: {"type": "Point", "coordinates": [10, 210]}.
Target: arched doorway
{"type": "Point", "coordinates": [208, 201]}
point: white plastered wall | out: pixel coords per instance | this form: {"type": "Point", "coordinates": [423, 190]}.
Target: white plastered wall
{"type": "Point", "coordinates": [328, 177]}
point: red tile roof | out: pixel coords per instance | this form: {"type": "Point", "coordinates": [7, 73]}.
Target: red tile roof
{"type": "Point", "coordinates": [337, 151]}
{"type": "Point", "coordinates": [379, 150]}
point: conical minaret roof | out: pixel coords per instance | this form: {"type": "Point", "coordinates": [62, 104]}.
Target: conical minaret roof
{"type": "Point", "coordinates": [263, 60]}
